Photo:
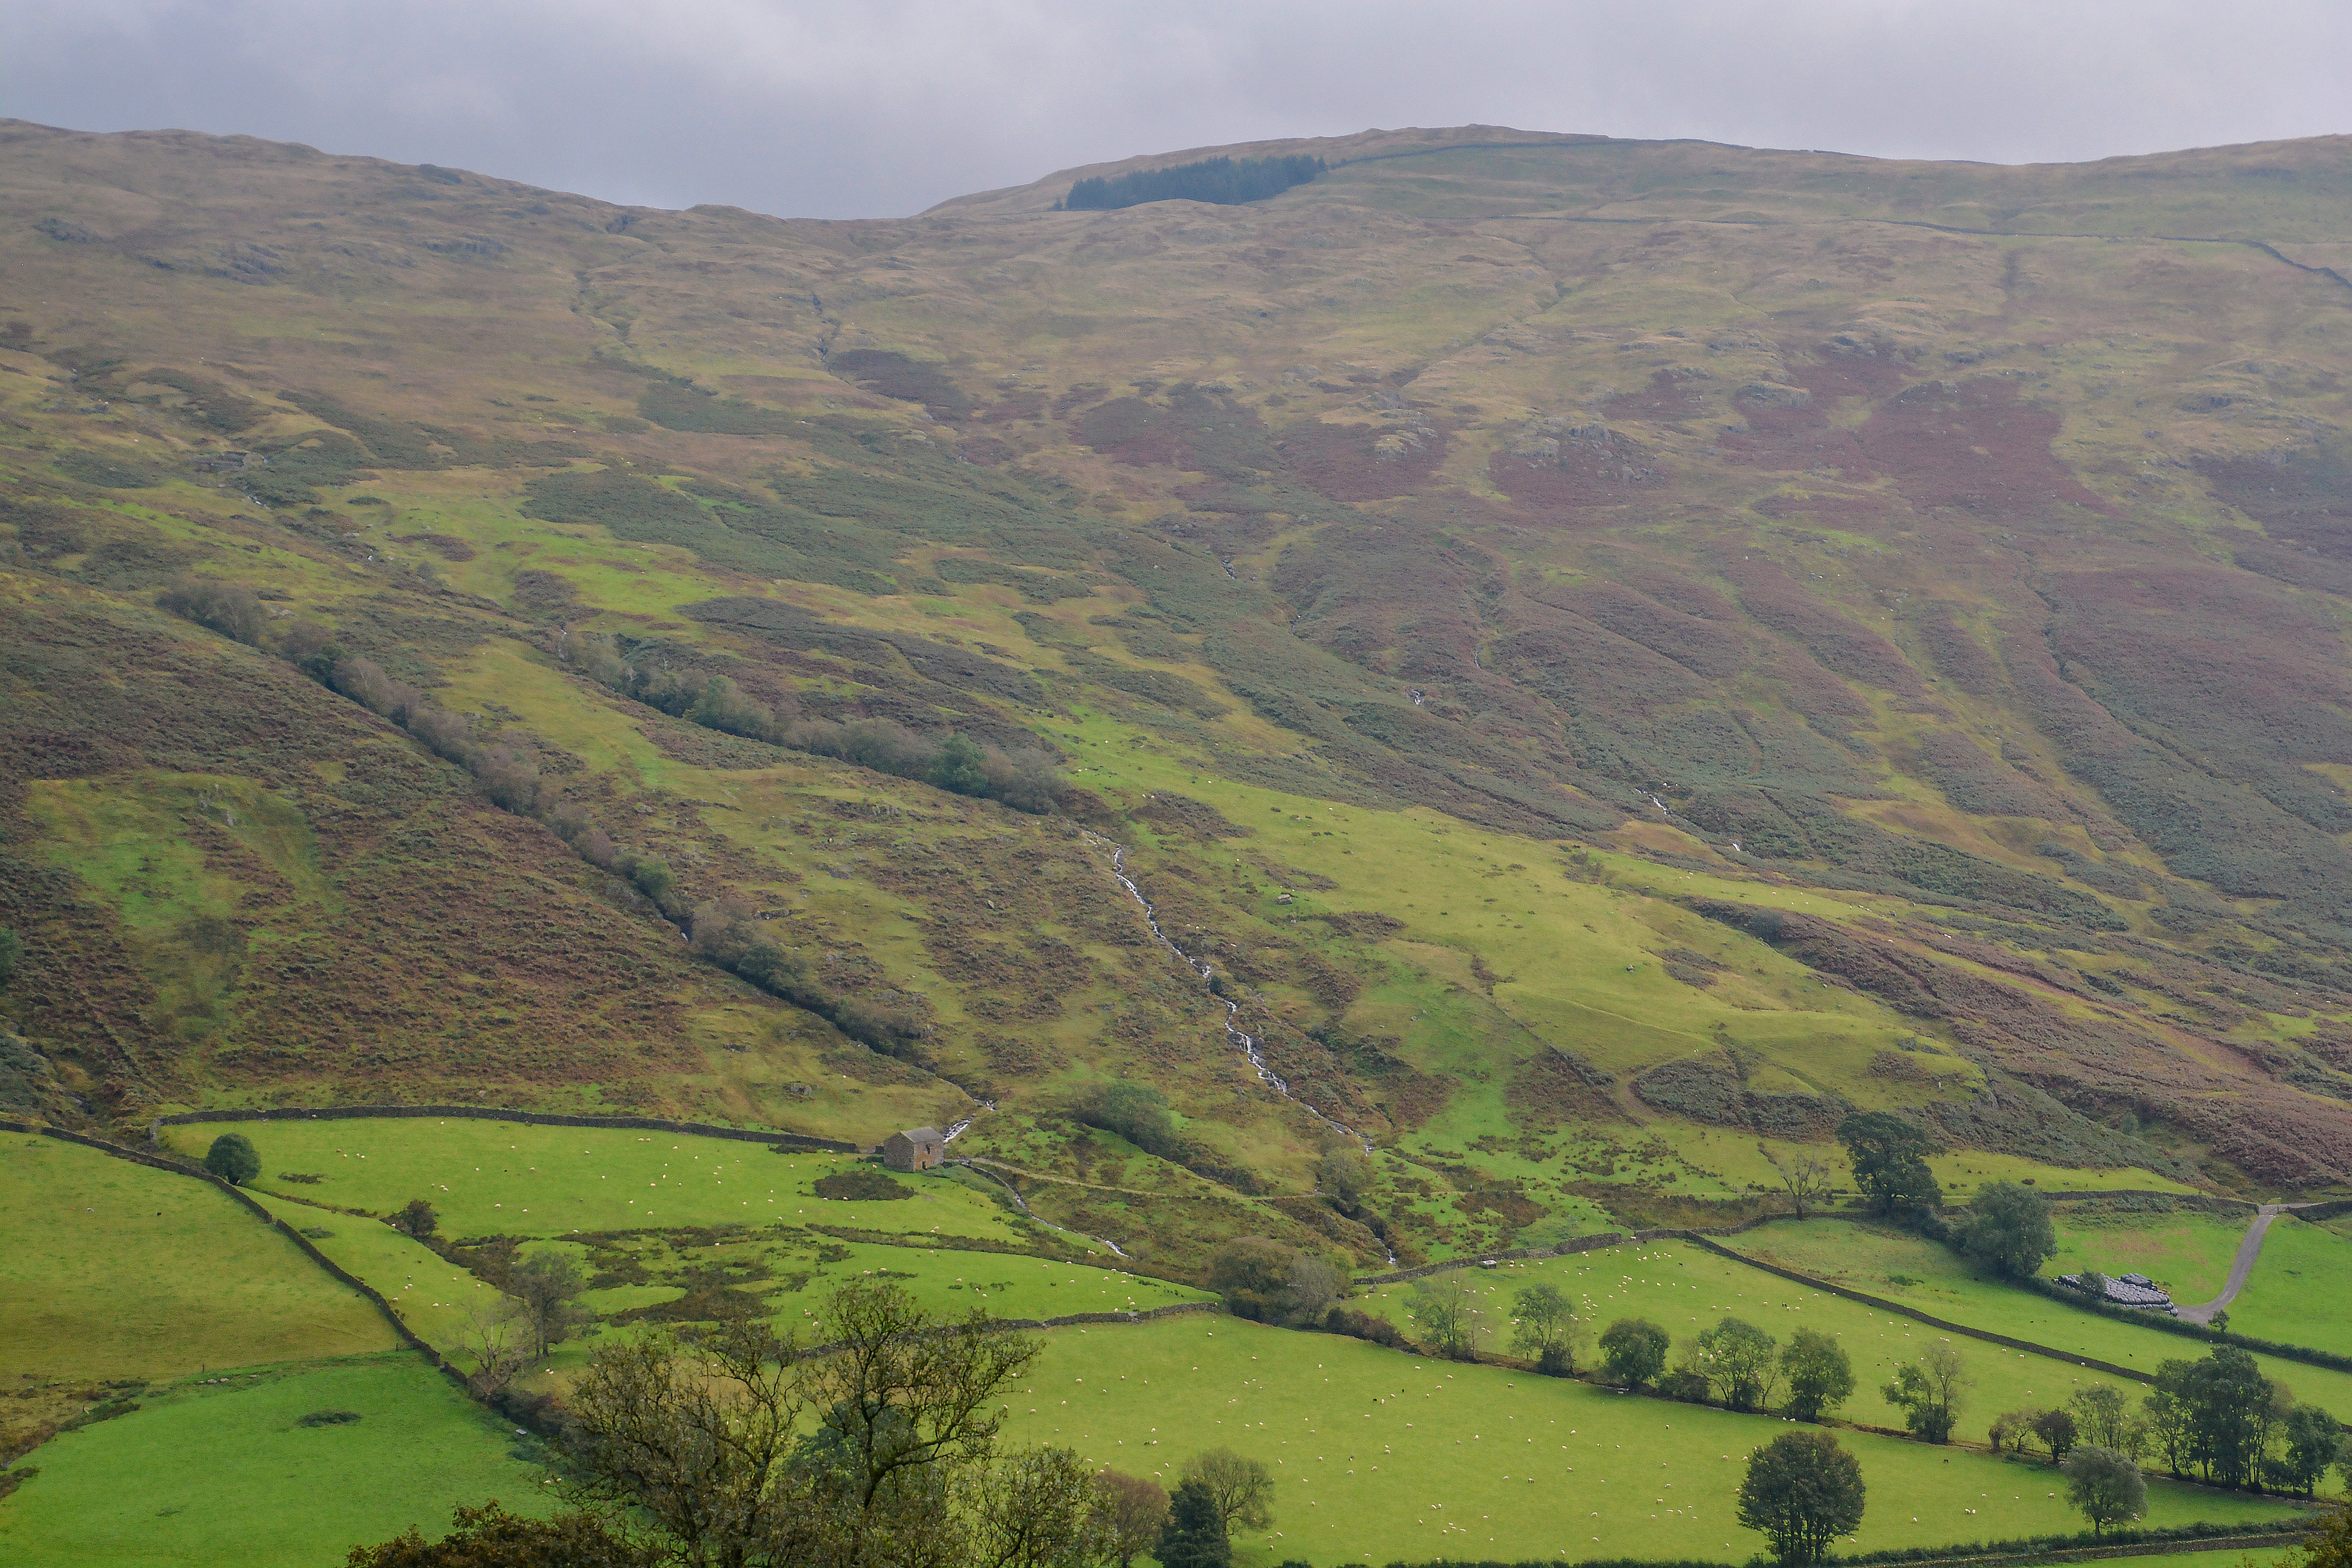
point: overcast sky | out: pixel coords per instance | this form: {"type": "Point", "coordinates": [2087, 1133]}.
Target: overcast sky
{"type": "Point", "coordinates": [844, 109]}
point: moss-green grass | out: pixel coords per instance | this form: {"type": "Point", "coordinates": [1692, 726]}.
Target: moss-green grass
{"type": "Point", "coordinates": [1929, 1278]}
{"type": "Point", "coordinates": [489, 1178]}
{"type": "Point", "coordinates": [2300, 1291]}
{"type": "Point", "coordinates": [1379, 1456]}
{"type": "Point", "coordinates": [2186, 1253]}
{"type": "Point", "coordinates": [1684, 1290]}
{"type": "Point", "coordinates": [222, 1474]}
{"type": "Point", "coordinates": [114, 1269]}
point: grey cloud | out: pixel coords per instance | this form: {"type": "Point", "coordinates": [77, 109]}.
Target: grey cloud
{"type": "Point", "coordinates": [881, 109]}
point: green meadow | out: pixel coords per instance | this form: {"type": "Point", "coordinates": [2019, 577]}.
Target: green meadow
{"type": "Point", "coordinates": [1363, 1442]}
{"type": "Point", "coordinates": [1926, 1276]}
{"type": "Point", "coordinates": [2186, 1252]}
{"type": "Point", "coordinates": [2300, 1292]}
{"type": "Point", "coordinates": [225, 1474]}
{"type": "Point", "coordinates": [494, 1178]}
{"type": "Point", "coordinates": [114, 1269]}
{"type": "Point", "coordinates": [1684, 1290]}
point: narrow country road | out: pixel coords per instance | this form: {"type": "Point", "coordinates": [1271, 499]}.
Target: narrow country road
{"type": "Point", "coordinates": [2243, 1265]}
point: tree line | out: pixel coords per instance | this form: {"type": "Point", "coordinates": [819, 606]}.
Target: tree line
{"type": "Point", "coordinates": [876, 1447]}
{"type": "Point", "coordinates": [1023, 778]}
{"type": "Point", "coordinates": [722, 929]}
{"type": "Point", "coordinates": [1225, 182]}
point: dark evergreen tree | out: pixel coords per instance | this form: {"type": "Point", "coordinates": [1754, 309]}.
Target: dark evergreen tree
{"type": "Point", "coordinates": [1227, 181]}
{"type": "Point", "coordinates": [1194, 1535]}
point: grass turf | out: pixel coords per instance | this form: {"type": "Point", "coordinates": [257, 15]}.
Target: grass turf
{"type": "Point", "coordinates": [1924, 1276]}
{"type": "Point", "coordinates": [2299, 1287]}
{"type": "Point", "coordinates": [223, 1474]}
{"type": "Point", "coordinates": [114, 1269]}
{"type": "Point", "coordinates": [1363, 1442]}
{"type": "Point", "coordinates": [491, 1178]}
{"type": "Point", "coordinates": [1683, 1289]}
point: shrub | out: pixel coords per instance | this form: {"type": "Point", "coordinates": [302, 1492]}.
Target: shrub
{"type": "Point", "coordinates": [233, 1159]}
{"type": "Point", "coordinates": [228, 608]}
{"type": "Point", "coordinates": [860, 1183]}
{"type": "Point", "coordinates": [328, 1418]}
{"type": "Point", "coordinates": [12, 951]}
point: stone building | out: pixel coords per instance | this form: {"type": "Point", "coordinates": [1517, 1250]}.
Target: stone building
{"type": "Point", "coordinates": [916, 1149]}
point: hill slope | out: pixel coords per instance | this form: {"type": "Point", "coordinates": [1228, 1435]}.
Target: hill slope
{"type": "Point", "coordinates": [1609, 652]}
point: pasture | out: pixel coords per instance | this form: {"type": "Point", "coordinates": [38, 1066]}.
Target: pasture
{"type": "Point", "coordinates": [501, 1178]}
{"type": "Point", "coordinates": [2186, 1252]}
{"type": "Point", "coordinates": [1362, 1442]}
{"type": "Point", "coordinates": [224, 1473]}
{"type": "Point", "coordinates": [2299, 1290]}
{"type": "Point", "coordinates": [1927, 1277]}
{"type": "Point", "coordinates": [114, 1269]}
{"type": "Point", "coordinates": [1684, 1290]}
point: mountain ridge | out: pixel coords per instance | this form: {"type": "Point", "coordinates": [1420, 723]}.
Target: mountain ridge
{"type": "Point", "coordinates": [1363, 562]}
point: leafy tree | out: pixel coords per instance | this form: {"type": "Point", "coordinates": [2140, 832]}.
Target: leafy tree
{"type": "Point", "coordinates": [1136, 1111]}
{"type": "Point", "coordinates": [2229, 1401]}
{"type": "Point", "coordinates": [1242, 1489]}
{"type": "Point", "coordinates": [2315, 1444]}
{"type": "Point", "coordinates": [1194, 1535]}
{"type": "Point", "coordinates": [11, 953]}
{"type": "Point", "coordinates": [1545, 1330]}
{"type": "Point", "coordinates": [1802, 1491]}
{"type": "Point", "coordinates": [1270, 1283]}
{"type": "Point", "coordinates": [1344, 1175]}
{"type": "Point", "coordinates": [2055, 1429]}
{"type": "Point", "coordinates": [1635, 1351]}
{"type": "Point", "coordinates": [2330, 1546]}
{"type": "Point", "coordinates": [702, 1439]}
{"type": "Point", "coordinates": [1446, 1315]}
{"type": "Point", "coordinates": [1806, 1180]}
{"type": "Point", "coordinates": [2166, 1413]}
{"type": "Point", "coordinates": [1129, 1513]}
{"type": "Point", "coordinates": [1928, 1392]}
{"type": "Point", "coordinates": [959, 767]}
{"type": "Point", "coordinates": [2010, 1430]}
{"type": "Point", "coordinates": [2008, 1230]}
{"type": "Point", "coordinates": [2102, 1417]}
{"type": "Point", "coordinates": [548, 1284]}
{"type": "Point", "coordinates": [1890, 1165]}
{"type": "Point", "coordinates": [2104, 1485]}
{"type": "Point", "coordinates": [1033, 1509]}
{"type": "Point", "coordinates": [417, 1219]}
{"type": "Point", "coordinates": [1820, 1373]}
{"type": "Point", "coordinates": [1737, 1360]}
{"type": "Point", "coordinates": [233, 1159]}
{"type": "Point", "coordinates": [490, 1537]}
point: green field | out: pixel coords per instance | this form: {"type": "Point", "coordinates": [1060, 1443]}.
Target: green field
{"type": "Point", "coordinates": [2186, 1253]}
{"type": "Point", "coordinates": [1362, 1442]}
{"type": "Point", "coordinates": [223, 1474]}
{"type": "Point", "coordinates": [494, 1178]}
{"type": "Point", "coordinates": [2299, 1290]}
{"type": "Point", "coordinates": [1683, 1289]}
{"type": "Point", "coordinates": [1927, 1277]}
{"type": "Point", "coordinates": [114, 1269]}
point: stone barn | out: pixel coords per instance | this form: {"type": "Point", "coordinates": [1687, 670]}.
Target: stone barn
{"type": "Point", "coordinates": [917, 1149]}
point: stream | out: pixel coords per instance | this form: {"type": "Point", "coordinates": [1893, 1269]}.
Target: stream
{"type": "Point", "coordinates": [1234, 1032]}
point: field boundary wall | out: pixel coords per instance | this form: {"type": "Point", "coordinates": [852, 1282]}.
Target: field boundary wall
{"type": "Point", "coordinates": [492, 1113]}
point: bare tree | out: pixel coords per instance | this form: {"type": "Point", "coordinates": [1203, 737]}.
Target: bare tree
{"type": "Point", "coordinates": [1806, 1180]}
{"type": "Point", "coordinates": [1446, 1315]}
{"type": "Point", "coordinates": [496, 1334]}
{"type": "Point", "coordinates": [548, 1284]}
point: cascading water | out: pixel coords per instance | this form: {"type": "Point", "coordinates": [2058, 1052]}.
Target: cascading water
{"type": "Point", "coordinates": [1234, 1032]}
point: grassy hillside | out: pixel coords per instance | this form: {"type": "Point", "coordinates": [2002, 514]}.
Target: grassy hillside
{"type": "Point", "coordinates": [1610, 654]}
